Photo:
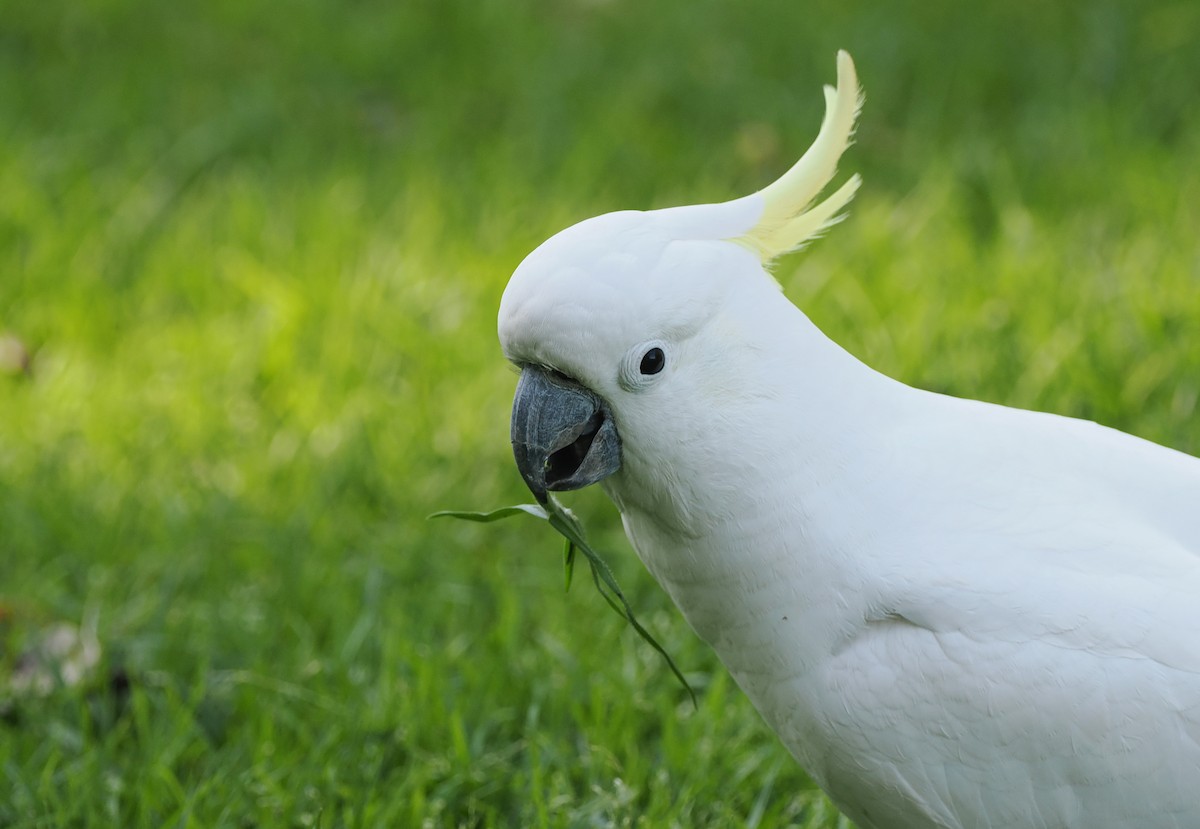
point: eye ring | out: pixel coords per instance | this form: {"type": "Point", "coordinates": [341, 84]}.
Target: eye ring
{"type": "Point", "coordinates": [644, 364]}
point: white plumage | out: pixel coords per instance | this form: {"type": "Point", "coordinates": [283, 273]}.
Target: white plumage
{"type": "Point", "coordinates": [954, 614]}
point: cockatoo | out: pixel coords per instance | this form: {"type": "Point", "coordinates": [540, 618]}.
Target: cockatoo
{"type": "Point", "coordinates": [954, 614]}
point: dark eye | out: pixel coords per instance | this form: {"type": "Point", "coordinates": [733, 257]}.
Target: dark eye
{"type": "Point", "coordinates": [653, 361]}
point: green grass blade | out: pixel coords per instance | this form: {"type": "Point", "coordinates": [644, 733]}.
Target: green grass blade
{"type": "Point", "coordinates": [568, 563]}
{"type": "Point", "coordinates": [570, 528]}
{"type": "Point", "coordinates": [495, 515]}
{"type": "Point", "coordinates": [566, 523]}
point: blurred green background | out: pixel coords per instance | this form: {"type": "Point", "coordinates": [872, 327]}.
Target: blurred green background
{"type": "Point", "coordinates": [250, 256]}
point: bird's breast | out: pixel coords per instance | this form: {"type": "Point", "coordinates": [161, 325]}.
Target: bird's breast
{"type": "Point", "coordinates": [770, 607]}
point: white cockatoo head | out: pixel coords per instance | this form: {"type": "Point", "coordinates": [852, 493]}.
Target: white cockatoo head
{"type": "Point", "coordinates": [632, 328]}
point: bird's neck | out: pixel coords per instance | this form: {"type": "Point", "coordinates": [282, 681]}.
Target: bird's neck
{"type": "Point", "coordinates": [749, 523]}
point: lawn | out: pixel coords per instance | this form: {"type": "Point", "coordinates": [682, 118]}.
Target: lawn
{"type": "Point", "coordinates": [250, 258]}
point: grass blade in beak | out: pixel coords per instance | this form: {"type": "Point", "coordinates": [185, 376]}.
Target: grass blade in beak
{"type": "Point", "coordinates": [568, 564]}
{"type": "Point", "coordinates": [495, 515]}
{"type": "Point", "coordinates": [569, 527]}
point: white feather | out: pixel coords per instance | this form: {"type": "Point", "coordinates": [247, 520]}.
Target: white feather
{"type": "Point", "coordinates": [954, 614]}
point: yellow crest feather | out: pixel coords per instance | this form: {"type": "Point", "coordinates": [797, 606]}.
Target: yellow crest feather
{"type": "Point", "coordinates": [789, 217]}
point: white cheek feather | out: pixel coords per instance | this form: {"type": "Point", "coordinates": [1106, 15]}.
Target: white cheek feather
{"type": "Point", "coordinates": [954, 614]}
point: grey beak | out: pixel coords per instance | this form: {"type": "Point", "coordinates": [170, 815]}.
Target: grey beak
{"type": "Point", "coordinates": [563, 434]}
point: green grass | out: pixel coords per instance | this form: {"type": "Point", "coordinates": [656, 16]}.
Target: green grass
{"type": "Point", "coordinates": [257, 253]}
